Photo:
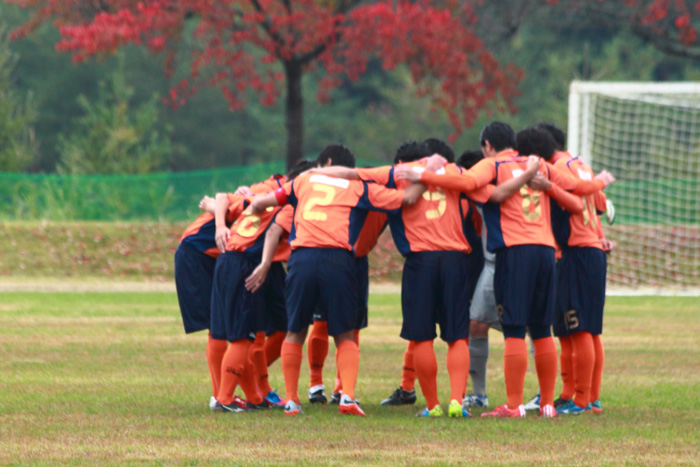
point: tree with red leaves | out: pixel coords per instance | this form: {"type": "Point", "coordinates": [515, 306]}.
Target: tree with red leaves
{"type": "Point", "coordinates": [268, 46]}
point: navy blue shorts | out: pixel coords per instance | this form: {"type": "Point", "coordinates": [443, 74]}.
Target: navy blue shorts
{"type": "Point", "coordinates": [433, 291]}
{"type": "Point", "coordinates": [273, 296]}
{"type": "Point", "coordinates": [193, 275]}
{"type": "Point", "coordinates": [362, 275]}
{"type": "Point", "coordinates": [581, 274]}
{"type": "Point", "coordinates": [236, 313]}
{"type": "Point", "coordinates": [322, 278]}
{"type": "Point", "coordinates": [524, 285]}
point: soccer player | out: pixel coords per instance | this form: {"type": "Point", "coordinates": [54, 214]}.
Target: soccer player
{"type": "Point", "coordinates": [581, 276]}
{"type": "Point", "coordinates": [238, 315]}
{"type": "Point", "coordinates": [195, 259]}
{"type": "Point", "coordinates": [519, 231]}
{"type": "Point", "coordinates": [327, 219]}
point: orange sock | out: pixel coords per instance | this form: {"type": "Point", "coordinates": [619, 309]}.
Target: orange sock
{"type": "Point", "coordinates": [249, 384]}
{"type": "Point", "coordinates": [317, 350]}
{"type": "Point", "coordinates": [458, 368]}
{"type": "Point", "coordinates": [546, 364]}
{"type": "Point", "coordinates": [514, 369]}
{"type": "Point", "coordinates": [257, 356]}
{"type": "Point", "coordinates": [408, 374]}
{"type": "Point", "coordinates": [234, 361]}
{"type": "Point", "coordinates": [216, 348]}
{"type": "Point", "coordinates": [348, 361]}
{"type": "Point", "coordinates": [338, 382]}
{"type": "Point", "coordinates": [567, 367]}
{"type": "Point", "coordinates": [584, 361]}
{"type": "Point", "coordinates": [426, 371]}
{"type": "Point", "coordinates": [291, 356]}
{"type": "Point", "coordinates": [273, 346]}
{"type": "Point", "coordinates": [597, 368]}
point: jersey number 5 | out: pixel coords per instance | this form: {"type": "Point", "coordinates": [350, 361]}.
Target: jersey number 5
{"type": "Point", "coordinates": [532, 210]}
{"type": "Point", "coordinates": [326, 198]}
{"type": "Point", "coordinates": [438, 196]}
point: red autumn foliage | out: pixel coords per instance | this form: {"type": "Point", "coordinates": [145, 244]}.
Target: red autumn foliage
{"type": "Point", "coordinates": [433, 38]}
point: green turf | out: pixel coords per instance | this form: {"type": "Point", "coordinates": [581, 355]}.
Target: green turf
{"type": "Point", "coordinates": [101, 378]}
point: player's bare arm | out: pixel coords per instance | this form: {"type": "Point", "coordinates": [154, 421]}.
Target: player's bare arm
{"type": "Point", "coordinates": [259, 274]}
{"type": "Point", "coordinates": [242, 191]}
{"type": "Point", "coordinates": [223, 233]}
{"type": "Point", "coordinates": [260, 203]}
{"type": "Point", "coordinates": [569, 202]}
{"type": "Point", "coordinates": [505, 190]}
{"type": "Point", "coordinates": [207, 204]}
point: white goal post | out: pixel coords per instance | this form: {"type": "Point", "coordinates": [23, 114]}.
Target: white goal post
{"type": "Point", "coordinates": [648, 136]}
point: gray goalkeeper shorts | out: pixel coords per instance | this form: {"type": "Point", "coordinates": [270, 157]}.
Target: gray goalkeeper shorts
{"type": "Point", "coordinates": [483, 307]}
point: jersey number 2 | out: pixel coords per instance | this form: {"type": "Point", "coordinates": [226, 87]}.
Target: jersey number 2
{"type": "Point", "coordinates": [326, 198]}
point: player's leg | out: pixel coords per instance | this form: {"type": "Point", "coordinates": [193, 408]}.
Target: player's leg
{"type": "Point", "coordinates": [514, 286]}
{"type": "Point", "coordinates": [419, 288]}
{"type": "Point", "coordinates": [317, 350]}
{"type": "Point", "coordinates": [338, 297]}
{"type": "Point", "coordinates": [301, 290]}
{"type": "Point", "coordinates": [273, 346]}
{"type": "Point", "coordinates": [566, 359]}
{"type": "Point", "coordinates": [597, 374]}
{"type": "Point", "coordinates": [454, 325]}
{"type": "Point", "coordinates": [275, 325]}
{"type": "Point", "coordinates": [405, 393]}
{"type": "Point", "coordinates": [540, 321]}
{"type": "Point", "coordinates": [193, 281]}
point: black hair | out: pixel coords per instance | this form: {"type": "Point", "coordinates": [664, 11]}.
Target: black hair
{"type": "Point", "coordinates": [500, 135]}
{"type": "Point", "coordinates": [556, 133]}
{"type": "Point", "coordinates": [410, 151]}
{"type": "Point", "coordinates": [535, 141]}
{"type": "Point", "coordinates": [338, 154]}
{"type": "Point", "coordinates": [469, 158]}
{"type": "Point", "coordinates": [302, 165]}
{"type": "Point", "coordinates": [440, 147]}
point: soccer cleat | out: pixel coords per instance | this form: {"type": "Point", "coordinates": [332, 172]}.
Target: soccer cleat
{"type": "Point", "coordinates": [238, 405]}
{"type": "Point", "coordinates": [570, 408]}
{"type": "Point", "coordinates": [548, 411]}
{"type": "Point", "coordinates": [435, 412]}
{"type": "Point", "coordinates": [534, 403]}
{"type": "Point", "coordinates": [350, 406]}
{"type": "Point", "coordinates": [212, 402]}
{"type": "Point", "coordinates": [609, 212]}
{"type": "Point", "coordinates": [475, 400]}
{"type": "Point", "coordinates": [596, 408]}
{"type": "Point", "coordinates": [292, 408]}
{"type": "Point", "coordinates": [401, 397]}
{"type": "Point", "coordinates": [560, 401]}
{"type": "Point", "coordinates": [250, 407]}
{"type": "Point", "coordinates": [502, 411]}
{"type": "Point", "coordinates": [317, 395]}
{"type": "Point", "coordinates": [335, 398]}
{"type": "Point", "coordinates": [455, 410]}
{"type": "Point", "coordinates": [273, 400]}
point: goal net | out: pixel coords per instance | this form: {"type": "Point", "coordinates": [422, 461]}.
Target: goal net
{"type": "Point", "coordinates": [648, 136]}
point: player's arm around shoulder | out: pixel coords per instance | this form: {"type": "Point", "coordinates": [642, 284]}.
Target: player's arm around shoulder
{"type": "Point", "coordinates": [507, 189]}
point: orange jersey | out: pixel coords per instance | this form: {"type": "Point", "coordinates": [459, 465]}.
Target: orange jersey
{"type": "Point", "coordinates": [248, 229]}
{"type": "Point", "coordinates": [434, 222]}
{"type": "Point", "coordinates": [200, 234]}
{"type": "Point", "coordinates": [329, 212]}
{"type": "Point", "coordinates": [576, 230]}
{"type": "Point", "coordinates": [374, 225]}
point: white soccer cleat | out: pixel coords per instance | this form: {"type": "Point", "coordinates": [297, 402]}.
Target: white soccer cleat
{"type": "Point", "coordinates": [212, 402]}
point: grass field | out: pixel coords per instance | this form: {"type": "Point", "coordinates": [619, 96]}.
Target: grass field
{"type": "Point", "coordinates": [110, 378]}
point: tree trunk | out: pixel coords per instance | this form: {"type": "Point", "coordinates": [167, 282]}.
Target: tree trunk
{"type": "Point", "coordinates": [294, 113]}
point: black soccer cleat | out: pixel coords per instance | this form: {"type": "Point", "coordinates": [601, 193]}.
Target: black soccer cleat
{"type": "Point", "coordinates": [401, 397]}
{"type": "Point", "coordinates": [317, 395]}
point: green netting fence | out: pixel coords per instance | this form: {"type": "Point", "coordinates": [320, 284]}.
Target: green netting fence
{"type": "Point", "coordinates": [163, 196]}
{"type": "Point", "coordinates": [174, 196]}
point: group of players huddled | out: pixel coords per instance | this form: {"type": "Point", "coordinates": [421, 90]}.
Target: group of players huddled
{"type": "Point", "coordinates": [508, 237]}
